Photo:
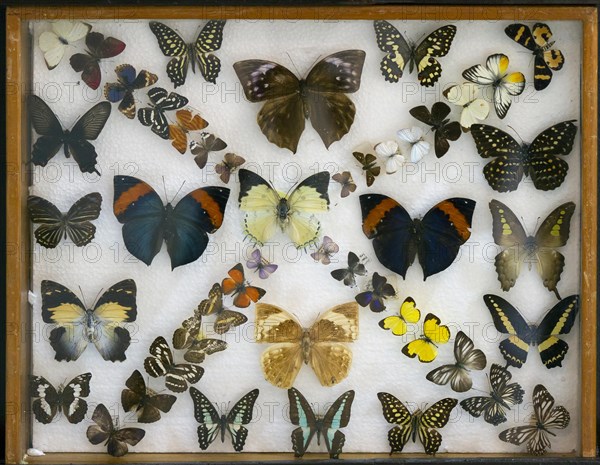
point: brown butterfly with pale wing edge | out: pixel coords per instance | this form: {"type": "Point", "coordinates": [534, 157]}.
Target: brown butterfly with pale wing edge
{"type": "Point", "coordinates": [114, 438]}
{"type": "Point", "coordinates": [539, 249]}
{"type": "Point", "coordinates": [231, 162]}
{"type": "Point", "coordinates": [213, 305]}
{"type": "Point", "coordinates": [186, 122]}
{"type": "Point", "coordinates": [322, 345]}
{"type": "Point", "coordinates": [144, 402]}
{"type": "Point", "coordinates": [201, 147]}
{"type": "Point", "coordinates": [369, 166]}
{"type": "Point", "coordinates": [289, 101]}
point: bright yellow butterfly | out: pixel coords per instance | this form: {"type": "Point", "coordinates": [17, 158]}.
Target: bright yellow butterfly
{"type": "Point", "coordinates": [426, 346]}
{"type": "Point", "coordinates": [409, 313]}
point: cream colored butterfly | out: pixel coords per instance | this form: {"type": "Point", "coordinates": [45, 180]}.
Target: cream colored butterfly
{"type": "Point", "coordinates": [474, 108]}
{"type": "Point", "coordinates": [321, 345]}
{"type": "Point", "coordinates": [54, 43]}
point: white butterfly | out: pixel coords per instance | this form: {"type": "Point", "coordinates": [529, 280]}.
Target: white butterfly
{"type": "Point", "coordinates": [419, 147]}
{"type": "Point", "coordinates": [494, 75]}
{"type": "Point", "coordinates": [475, 109]}
{"type": "Point", "coordinates": [54, 43]}
{"type": "Point", "coordinates": [391, 153]}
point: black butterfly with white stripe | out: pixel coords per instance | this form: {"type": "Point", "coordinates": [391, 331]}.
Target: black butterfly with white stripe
{"type": "Point", "coordinates": [49, 401]}
{"type": "Point", "coordinates": [75, 224]}
{"type": "Point", "coordinates": [154, 115]}
{"type": "Point", "coordinates": [502, 396]}
{"type": "Point", "coordinates": [177, 375]}
{"type": "Point", "coordinates": [212, 424]}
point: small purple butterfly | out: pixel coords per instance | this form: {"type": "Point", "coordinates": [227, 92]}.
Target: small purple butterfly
{"type": "Point", "coordinates": [327, 250]}
{"type": "Point", "coordinates": [260, 264]}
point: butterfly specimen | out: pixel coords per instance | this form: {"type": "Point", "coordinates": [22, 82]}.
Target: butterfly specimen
{"type": "Point", "coordinates": [539, 249]}
{"type": "Point", "coordinates": [243, 293]}
{"type": "Point", "coordinates": [294, 213]}
{"type": "Point", "coordinates": [186, 122]}
{"type": "Point", "coordinates": [408, 314]}
{"type": "Point", "coordinates": [494, 75]}
{"type": "Point", "coordinates": [202, 147]}
{"type": "Point", "coordinates": [391, 153]}
{"type": "Point", "coordinates": [74, 142]}
{"type": "Point", "coordinates": [184, 227]}
{"type": "Point", "coordinates": [213, 305]}
{"type": "Point", "coordinates": [369, 166]}
{"type": "Point", "coordinates": [154, 115]}
{"type": "Point", "coordinates": [423, 56]}
{"type": "Point", "coordinates": [75, 224]}
{"type": "Point", "coordinates": [474, 108]}
{"type": "Point", "coordinates": [458, 374]}
{"type": "Point", "coordinates": [212, 424]}
{"type": "Point", "coordinates": [421, 423]}
{"type": "Point", "coordinates": [507, 320]}
{"type": "Point", "coordinates": [426, 346]}
{"type": "Point", "coordinates": [327, 426]}
{"type": "Point", "coordinates": [545, 418]}
{"type": "Point", "coordinates": [537, 40]}
{"type": "Point", "coordinates": [172, 45]}
{"type": "Point", "coordinates": [99, 48]}
{"type": "Point", "coordinates": [77, 326]}
{"type": "Point", "coordinates": [260, 264]}
{"type": "Point", "coordinates": [502, 396]}
{"type": "Point", "coordinates": [511, 160]}
{"type": "Point", "coordinates": [48, 401]}
{"type": "Point", "coordinates": [398, 239]}
{"type": "Point", "coordinates": [325, 251]}
{"type": "Point", "coordinates": [375, 297]}
{"type": "Point", "coordinates": [289, 101]}
{"type": "Point", "coordinates": [418, 146]}
{"type": "Point", "coordinates": [321, 345]}
{"type": "Point", "coordinates": [115, 439]}
{"type": "Point", "coordinates": [189, 337]}
{"type": "Point", "coordinates": [346, 181]}
{"type": "Point", "coordinates": [127, 84]}
{"type": "Point", "coordinates": [231, 162]}
{"type": "Point", "coordinates": [54, 43]}
{"type": "Point", "coordinates": [177, 375]}
{"type": "Point", "coordinates": [142, 400]}
{"type": "Point", "coordinates": [443, 129]}
{"type": "Point", "coordinates": [348, 275]}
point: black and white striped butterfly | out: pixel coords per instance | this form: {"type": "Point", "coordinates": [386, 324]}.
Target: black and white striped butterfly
{"type": "Point", "coordinates": [154, 115]}
{"type": "Point", "coordinates": [458, 374]}
{"type": "Point", "coordinates": [177, 375]}
{"type": "Point", "coordinates": [172, 45]}
{"type": "Point", "coordinates": [502, 396]}
{"type": "Point", "coordinates": [422, 56]}
{"type": "Point", "coordinates": [49, 401]}
{"type": "Point", "coordinates": [114, 438]}
{"type": "Point", "coordinates": [327, 426]}
{"type": "Point", "coordinates": [211, 423]}
{"type": "Point", "coordinates": [545, 418]}
{"type": "Point", "coordinates": [75, 224]}
{"type": "Point", "coordinates": [146, 403]}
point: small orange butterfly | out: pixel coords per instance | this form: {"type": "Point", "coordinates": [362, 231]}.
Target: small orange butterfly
{"type": "Point", "coordinates": [237, 285]}
{"type": "Point", "coordinates": [186, 123]}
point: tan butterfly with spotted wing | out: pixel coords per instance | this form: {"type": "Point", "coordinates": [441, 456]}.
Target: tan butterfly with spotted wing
{"type": "Point", "coordinates": [321, 345]}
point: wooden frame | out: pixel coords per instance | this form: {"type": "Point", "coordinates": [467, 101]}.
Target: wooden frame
{"type": "Point", "coordinates": [17, 277]}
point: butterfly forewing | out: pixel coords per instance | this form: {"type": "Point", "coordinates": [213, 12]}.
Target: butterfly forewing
{"type": "Point", "coordinates": [437, 44]}
{"type": "Point", "coordinates": [209, 39]}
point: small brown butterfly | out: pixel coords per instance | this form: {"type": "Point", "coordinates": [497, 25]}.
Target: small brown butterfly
{"type": "Point", "coordinates": [369, 166]}
{"type": "Point", "coordinates": [345, 179]}
{"type": "Point", "coordinates": [231, 162]}
{"type": "Point", "coordinates": [186, 123]}
{"type": "Point", "coordinates": [202, 147]}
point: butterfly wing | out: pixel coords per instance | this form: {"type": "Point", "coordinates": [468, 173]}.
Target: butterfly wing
{"type": "Point", "coordinates": [88, 66]}
{"type": "Point", "coordinates": [77, 224]}
{"type": "Point", "coordinates": [559, 320]}
{"type": "Point", "coordinates": [46, 402]}
{"type": "Point", "coordinates": [200, 348]}
{"type": "Point", "coordinates": [117, 444]}
{"type": "Point", "coordinates": [73, 405]}
{"type": "Point", "coordinates": [172, 45]}
{"type": "Point", "coordinates": [104, 427]}
{"type": "Point", "coordinates": [301, 415]}
{"type": "Point", "coordinates": [260, 201]}
{"type": "Point", "coordinates": [46, 124]}
{"type": "Point", "coordinates": [208, 417]}
{"type": "Point", "coordinates": [409, 313]}
{"type": "Point", "coordinates": [87, 128]}
{"type": "Point", "coordinates": [348, 275]}
{"type": "Point", "coordinates": [395, 412]}
{"type": "Point", "coordinates": [389, 225]}
{"type": "Point", "coordinates": [436, 44]}
{"type": "Point", "coordinates": [435, 416]}
{"type": "Point", "coordinates": [209, 39]}
{"type": "Point", "coordinates": [54, 43]}
{"type": "Point", "coordinates": [52, 228]}
{"type": "Point", "coordinates": [445, 228]}
{"type": "Point", "coordinates": [425, 348]}
{"type": "Point", "coordinates": [398, 52]}
{"type": "Point", "coordinates": [241, 414]}
{"type": "Point", "coordinates": [337, 416]}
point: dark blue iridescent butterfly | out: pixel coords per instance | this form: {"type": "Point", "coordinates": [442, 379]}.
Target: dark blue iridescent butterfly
{"type": "Point", "coordinates": [398, 239]}
{"type": "Point", "coordinates": [375, 298]}
{"type": "Point", "coordinates": [184, 227]}
{"type": "Point", "coordinates": [128, 82]}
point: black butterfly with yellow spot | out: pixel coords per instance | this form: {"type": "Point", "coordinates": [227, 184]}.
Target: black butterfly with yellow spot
{"type": "Point", "coordinates": [422, 56]}
{"type": "Point", "coordinates": [559, 320]}
{"type": "Point", "coordinates": [511, 160]}
{"type": "Point", "coordinates": [539, 249]}
{"type": "Point", "coordinates": [537, 39]}
{"type": "Point", "coordinates": [172, 45]}
{"type": "Point", "coordinates": [420, 423]}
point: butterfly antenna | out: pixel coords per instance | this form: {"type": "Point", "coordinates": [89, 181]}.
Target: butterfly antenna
{"type": "Point", "coordinates": [293, 64]}
{"type": "Point", "coordinates": [96, 298]}
{"type": "Point", "coordinates": [513, 129]}
{"type": "Point", "coordinates": [82, 297]}
{"type": "Point", "coordinates": [165, 189]}
{"type": "Point", "coordinates": [525, 225]}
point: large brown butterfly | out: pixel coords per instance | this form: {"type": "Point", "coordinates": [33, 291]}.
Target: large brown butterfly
{"type": "Point", "coordinates": [289, 100]}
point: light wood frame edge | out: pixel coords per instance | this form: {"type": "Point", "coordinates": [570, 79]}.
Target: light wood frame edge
{"type": "Point", "coordinates": [16, 268]}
